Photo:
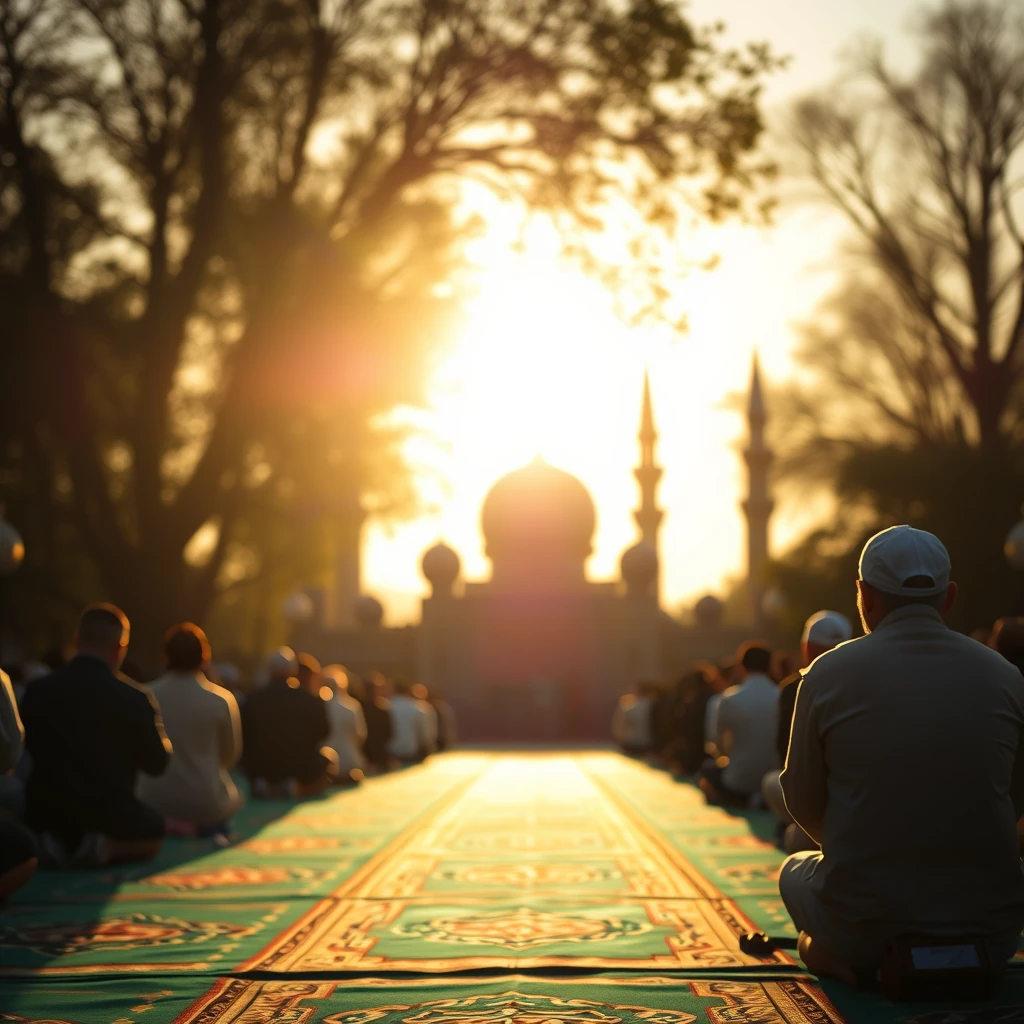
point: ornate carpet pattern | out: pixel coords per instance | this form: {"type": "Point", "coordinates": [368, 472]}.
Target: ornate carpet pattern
{"type": "Point", "coordinates": [514, 889]}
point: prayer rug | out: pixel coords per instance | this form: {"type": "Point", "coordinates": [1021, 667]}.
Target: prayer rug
{"type": "Point", "coordinates": [513, 889]}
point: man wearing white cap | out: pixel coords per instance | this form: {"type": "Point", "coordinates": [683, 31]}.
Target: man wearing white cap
{"type": "Point", "coordinates": [822, 631]}
{"type": "Point", "coordinates": [906, 763]}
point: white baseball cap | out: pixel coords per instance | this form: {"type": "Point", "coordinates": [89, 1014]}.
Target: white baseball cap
{"type": "Point", "coordinates": [826, 629]}
{"type": "Point", "coordinates": [899, 554]}
{"type": "Point", "coordinates": [282, 662]}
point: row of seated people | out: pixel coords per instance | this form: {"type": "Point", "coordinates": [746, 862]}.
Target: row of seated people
{"type": "Point", "coordinates": [110, 766]}
{"type": "Point", "coordinates": [896, 761]}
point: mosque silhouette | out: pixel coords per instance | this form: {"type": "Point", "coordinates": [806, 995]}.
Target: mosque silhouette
{"type": "Point", "coordinates": [539, 651]}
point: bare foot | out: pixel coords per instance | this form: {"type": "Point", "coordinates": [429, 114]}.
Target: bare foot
{"type": "Point", "coordinates": [821, 963]}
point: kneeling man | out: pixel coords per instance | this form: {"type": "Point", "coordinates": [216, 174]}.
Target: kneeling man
{"type": "Point", "coordinates": [906, 763]}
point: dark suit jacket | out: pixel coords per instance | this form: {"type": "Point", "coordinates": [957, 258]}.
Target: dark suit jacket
{"type": "Point", "coordinates": [89, 732]}
{"type": "Point", "coordinates": [283, 729]}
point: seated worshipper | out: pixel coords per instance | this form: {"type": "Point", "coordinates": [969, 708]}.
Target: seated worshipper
{"type": "Point", "coordinates": [413, 726]}
{"type": "Point", "coordinates": [420, 693]}
{"type": "Point", "coordinates": [743, 731]}
{"type": "Point", "coordinates": [906, 763]}
{"type": "Point", "coordinates": [822, 631]}
{"type": "Point", "coordinates": [631, 723]}
{"type": "Point", "coordinates": [685, 753]}
{"type": "Point", "coordinates": [377, 713]}
{"type": "Point", "coordinates": [18, 855]}
{"type": "Point", "coordinates": [284, 731]}
{"type": "Point", "coordinates": [726, 675]}
{"type": "Point", "coordinates": [1007, 637]}
{"type": "Point", "coordinates": [90, 731]}
{"type": "Point", "coordinates": [446, 727]}
{"type": "Point", "coordinates": [196, 794]}
{"type": "Point", "coordinates": [348, 727]}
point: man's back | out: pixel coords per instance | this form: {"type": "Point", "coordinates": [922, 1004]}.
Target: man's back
{"type": "Point", "coordinates": [89, 732]}
{"type": "Point", "coordinates": [377, 715]}
{"type": "Point", "coordinates": [632, 722]}
{"type": "Point", "coordinates": [408, 729]}
{"type": "Point", "coordinates": [348, 731]}
{"type": "Point", "coordinates": [283, 728]}
{"type": "Point", "coordinates": [748, 716]}
{"type": "Point", "coordinates": [203, 724]}
{"type": "Point", "coordinates": [910, 739]}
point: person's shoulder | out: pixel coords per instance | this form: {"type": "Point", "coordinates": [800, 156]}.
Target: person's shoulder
{"type": "Point", "coordinates": [842, 656]}
{"type": "Point", "coordinates": [731, 693]}
{"type": "Point", "coordinates": [218, 693]}
{"type": "Point", "coordinates": [989, 661]}
{"type": "Point", "coordinates": [136, 697]}
{"type": "Point", "coordinates": [790, 681]}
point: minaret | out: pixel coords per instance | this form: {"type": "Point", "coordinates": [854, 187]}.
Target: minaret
{"type": "Point", "coordinates": [758, 505]}
{"type": "Point", "coordinates": [648, 516]}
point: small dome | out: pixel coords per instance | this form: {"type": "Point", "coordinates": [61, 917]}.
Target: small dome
{"type": "Point", "coordinates": [298, 607]}
{"type": "Point", "coordinates": [441, 567]}
{"type": "Point", "coordinates": [639, 567]}
{"type": "Point", "coordinates": [708, 611]}
{"type": "Point", "coordinates": [536, 518]}
{"type": "Point", "coordinates": [369, 612]}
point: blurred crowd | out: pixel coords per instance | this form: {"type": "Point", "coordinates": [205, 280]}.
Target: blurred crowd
{"type": "Point", "coordinates": [99, 764]}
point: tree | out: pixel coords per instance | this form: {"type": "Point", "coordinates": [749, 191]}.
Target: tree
{"type": "Point", "coordinates": [910, 408]}
{"type": "Point", "coordinates": [218, 217]}
{"type": "Point", "coordinates": [923, 168]}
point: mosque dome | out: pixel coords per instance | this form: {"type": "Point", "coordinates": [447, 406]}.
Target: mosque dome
{"type": "Point", "coordinates": [639, 567]}
{"type": "Point", "coordinates": [441, 567]}
{"type": "Point", "coordinates": [708, 611]}
{"type": "Point", "coordinates": [369, 612]}
{"type": "Point", "coordinates": [538, 519]}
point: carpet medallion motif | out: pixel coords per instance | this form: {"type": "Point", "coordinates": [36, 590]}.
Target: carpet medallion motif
{"type": "Point", "coordinates": [512, 1007]}
{"type": "Point", "coordinates": [121, 933]}
{"type": "Point", "coordinates": [520, 929]}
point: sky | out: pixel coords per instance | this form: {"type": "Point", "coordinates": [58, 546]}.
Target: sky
{"type": "Point", "coordinates": [542, 365]}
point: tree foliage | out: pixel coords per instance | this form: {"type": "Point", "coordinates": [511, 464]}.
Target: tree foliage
{"type": "Point", "coordinates": [219, 218]}
{"type": "Point", "coordinates": [912, 397]}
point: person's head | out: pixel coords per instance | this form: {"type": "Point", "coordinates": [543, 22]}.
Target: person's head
{"type": "Point", "coordinates": [336, 677]}
{"type": "Point", "coordinates": [186, 648]}
{"type": "Point", "coordinates": [103, 632]}
{"type": "Point", "coordinates": [401, 687]}
{"type": "Point", "coordinates": [900, 567]}
{"type": "Point", "coordinates": [755, 658]}
{"type": "Point", "coordinates": [1008, 640]}
{"type": "Point", "coordinates": [281, 665]}
{"type": "Point", "coordinates": [419, 691]}
{"type": "Point", "coordinates": [823, 631]}
{"type": "Point", "coordinates": [308, 672]}
{"type": "Point", "coordinates": [378, 688]}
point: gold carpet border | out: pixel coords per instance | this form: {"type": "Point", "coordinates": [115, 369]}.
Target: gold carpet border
{"type": "Point", "coordinates": [234, 1001]}
{"type": "Point", "coordinates": [657, 840]}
